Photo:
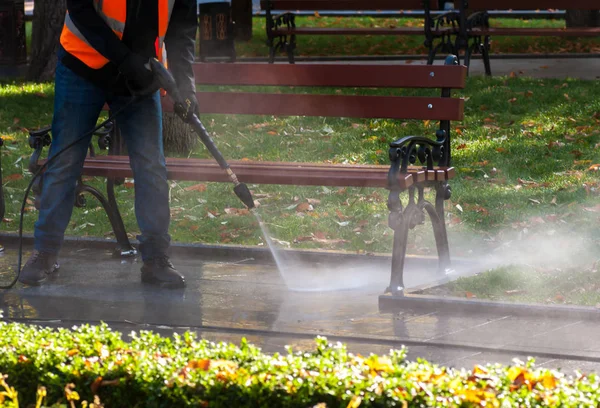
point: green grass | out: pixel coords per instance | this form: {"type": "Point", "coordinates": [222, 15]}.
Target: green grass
{"type": "Point", "coordinates": [511, 171]}
{"type": "Point", "coordinates": [526, 284]}
{"type": "Point", "coordinates": [400, 45]}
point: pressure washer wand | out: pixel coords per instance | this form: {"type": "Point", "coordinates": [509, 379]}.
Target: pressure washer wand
{"type": "Point", "coordinates": [183, 110]}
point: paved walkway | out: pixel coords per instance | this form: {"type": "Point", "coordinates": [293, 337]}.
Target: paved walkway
{"type": "Point", "coordinates": [234, 297]}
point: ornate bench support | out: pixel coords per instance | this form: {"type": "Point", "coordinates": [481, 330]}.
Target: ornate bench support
{"type": "Point", "coordinates": [470, 42]}
{"type": "Point", "coordinates": [279, 42]}
{"type": "Point", "coordinates": [428, 152]}
{"type": "Point", "coordinates": [2, 204]}
{"type": "Point", "coordinates": [41, 138]}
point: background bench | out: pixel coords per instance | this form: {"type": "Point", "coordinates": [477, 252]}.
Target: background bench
{"type": "Point", "coordinates": [475, 30]}
{"type": "Point", "coordinates": [282, 30]}
{"type": "Point", "coordinates": [431, 155]}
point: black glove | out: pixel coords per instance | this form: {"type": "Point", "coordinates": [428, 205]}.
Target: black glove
{"type": "Point", "coordinates": [188, 107]}
{"type": "Point", "coordinates": [138, 75]}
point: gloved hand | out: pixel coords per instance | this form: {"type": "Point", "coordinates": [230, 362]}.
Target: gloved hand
{"type": "Point", "coordinates": [138, 75]}
{"type": "Point", "coordinates": [186, 111]}
{"type": "Point", "coordinates": [194, 105]}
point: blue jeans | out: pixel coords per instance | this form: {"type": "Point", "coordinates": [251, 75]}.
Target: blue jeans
{"type": "Point", "coordinates": [77, 105]}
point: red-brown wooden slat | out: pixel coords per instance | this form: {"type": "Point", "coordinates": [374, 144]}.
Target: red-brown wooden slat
{"type": "Point", "coordinates": [314, 174]}
{"type": "Point", "coordinates": [417, 172]}
{"type": "Point", "coordinates": [351, 106]}
{"type": "Point", "coordinates": [257, 172]}
{"type": "Point", "coordinates": [540, 32]}
{"type": "Point", "coordinates": [356, 31]}
{"type": "Point", "coordinates": [310, 5]}
{"type": "Point", "coordinates": [332, 75]}
{"type": "Point", "coordinates": [533, 4]}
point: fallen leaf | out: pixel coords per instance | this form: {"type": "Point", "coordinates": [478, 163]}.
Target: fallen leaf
{"type": "Point", "coordinates": [199, 364]}
{"type": "Point", "coordinates": [196, 187]}
{"type": "Point", "coordinates": [512, 100]}
{"type": "Point", "coordinates": [559, 297]}
{"type": "Point", "coordinates": [341, 216]}
{"type": "Point", "coordinates": [594, 167]}
{"type": "Point", "coordinates": [577, 153]}
{"type": "Point", "coordinates": [12, 177]}
{"type": "Point", "coordinates": [272, 133]}
{"type": "Point", "coordinates": [304, 207]}
{"type": "Point", "coordinates": [514, 292]}
{"type": "Point", "coordinates": [16, 120]}
{"type": "Point", "coordinates": [470, 295]}
{"type": "Point", "coordinates": [534, 201]}
{"type": "Point", "coordinates": [529, 93]}
{"type": "Point", "coordinates": [461, 146]}
{"type": "Point", "coordinates": [592, 209]}
{"type": "Point", "coordinates": [501, 150]}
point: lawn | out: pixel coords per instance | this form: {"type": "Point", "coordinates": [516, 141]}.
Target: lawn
{"type": "Point", "coordinates": [400, 45]}
{"type": "Point", "coordinates": [403, 45]}
{"type": "Point", "coordinates": [525, 156]}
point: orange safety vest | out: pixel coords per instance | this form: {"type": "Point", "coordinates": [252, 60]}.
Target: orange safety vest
{"type": "Point", "coordinates": [114, 13]}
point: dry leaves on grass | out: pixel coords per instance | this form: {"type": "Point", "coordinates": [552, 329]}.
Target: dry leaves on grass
{"type": "Point", "coordinates": [196, 187]}
{"type": "Point", "coordinates": [321, 238]}
{"type": "Point", "coordinates": [12, 177]}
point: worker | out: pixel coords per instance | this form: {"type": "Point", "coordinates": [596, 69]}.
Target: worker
{"type": "Point", "coordinates": [103, 58]}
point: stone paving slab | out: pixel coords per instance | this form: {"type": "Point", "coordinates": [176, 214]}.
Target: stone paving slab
{"type": "Point", "coordinates": [225, 301]}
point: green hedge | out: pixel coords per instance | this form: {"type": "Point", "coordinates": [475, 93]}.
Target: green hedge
{"type": "Point", "coordinates": [70, 367]}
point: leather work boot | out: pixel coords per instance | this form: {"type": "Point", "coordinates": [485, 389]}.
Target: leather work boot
{"type": "Point", "coordinates": [161, 272]}
{"type": "Point", "coordinates": [38, 268]}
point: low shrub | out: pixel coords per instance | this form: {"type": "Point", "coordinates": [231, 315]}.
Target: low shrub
{"type": "Point", "coordinates": [93, 366]}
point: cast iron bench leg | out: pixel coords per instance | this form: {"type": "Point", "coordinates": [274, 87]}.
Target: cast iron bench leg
{"type": "Point", "coordinates": [124, 247]}
{"type": "Point", "coordinates": [2, 205]}
{"type": "Point", "coordinates": [442, 193]}
{"type": "Point", "coordinates": [485, 51]}
{"type": "Point", "coordinates": [398, 221]}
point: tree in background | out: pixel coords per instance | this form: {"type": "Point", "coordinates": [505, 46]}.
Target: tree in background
{"type": "Point", "coordinates": [583, 18]}
{"type": "Point", "coordinates": [48, 20]}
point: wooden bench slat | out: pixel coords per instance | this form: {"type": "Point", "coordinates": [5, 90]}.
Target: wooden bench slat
{"type": "Point", "coordinates": [332, 75]}
{"type": "Point", "coordinates": [539, 32]}
{"type": "Point", "coordinates": [257, 172]}
{"type": "Point", "coordinates": [348, 106]}
{"type": "Point", "coordinates": [311, 5]}
{"type": "Point", "coordinates": [533, 5]}
{"type": "Point", "coordinates": [306, 174]}
{"type": "Point", "coordinates": [358, 31]}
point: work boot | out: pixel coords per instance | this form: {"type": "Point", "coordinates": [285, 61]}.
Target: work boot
{"type": "Point", "coordinates": [38, 268]}
{"type": "Point", "coordinates": [161, 272]}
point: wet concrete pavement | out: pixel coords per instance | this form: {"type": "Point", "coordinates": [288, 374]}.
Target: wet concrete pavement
{"type": "Point", "coordinates": [228, 300]}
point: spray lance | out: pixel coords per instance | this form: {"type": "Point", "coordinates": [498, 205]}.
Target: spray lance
{"type": "Point", "coordinates": [183, 110]}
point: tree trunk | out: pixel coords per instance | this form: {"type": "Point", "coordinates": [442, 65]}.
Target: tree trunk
{"type": "Point", "coordinates": [48, 20]}
{"type": "Point", "coordinates": [179, 137]}
{"type": "Point", "coordinates": [582, 18]}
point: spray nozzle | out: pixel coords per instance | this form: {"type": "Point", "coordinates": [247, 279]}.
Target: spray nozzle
{"type": "Point", "coordinates": [241, 190]}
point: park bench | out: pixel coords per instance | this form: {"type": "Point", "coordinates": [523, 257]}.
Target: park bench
{"type": "Point", "coordinates": [281, 28]}
{"type": "Point", "coordinates": [417, 162]}
{"type": "Point", "coordinates": [475, 31]}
